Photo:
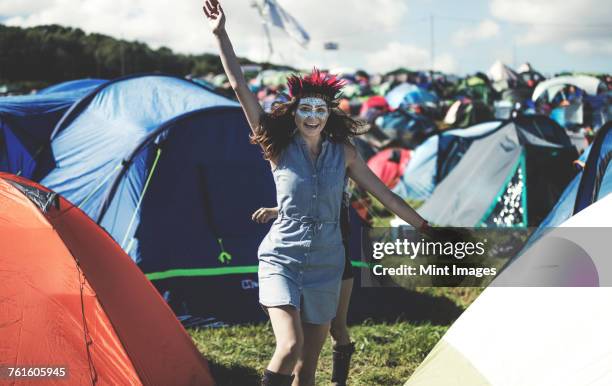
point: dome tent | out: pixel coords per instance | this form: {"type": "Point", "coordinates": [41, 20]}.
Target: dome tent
{"type": "Point", "coordinates": [507, 177]}
{"type": "Point", "coordinates": [163, 165]}
{"type": "Point", "coordinates": [72, 85]}
{"type": "Point", "coordinates": [71, 296]}
{"type": "Point", "coordinates": [592, 183]}
{"type": "Point", "coordinates": [103, 128]}
{"type": "Point", "coordinates": [26, 124]}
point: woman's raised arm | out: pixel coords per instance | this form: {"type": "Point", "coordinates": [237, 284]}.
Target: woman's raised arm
{"type": "Point", "coordinates": [248, 101]}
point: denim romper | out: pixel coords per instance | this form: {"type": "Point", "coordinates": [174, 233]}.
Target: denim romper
{"type": "Point", "coordinates": [301, 259]}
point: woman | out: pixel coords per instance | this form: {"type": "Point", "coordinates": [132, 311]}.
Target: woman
{"type": "Point", "coordinates": [342, 346]}
{"type": "Point", "coordinates": [302, 257]}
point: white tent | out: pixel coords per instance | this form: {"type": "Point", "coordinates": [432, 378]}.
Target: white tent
{"type": "Point", "coordinates": [589, 84]}
{"type": "Point", "coordinates": [501, 76]}
{"type": "Point", "coordinates": [525, 67]}
{"type": "Point", "coordinates": [545, 336]}
{"type": "Point", "coordinates": [499, 72]}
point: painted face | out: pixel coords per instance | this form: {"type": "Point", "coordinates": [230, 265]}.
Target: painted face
{"type": "Point", "coordinates": [311, 115]}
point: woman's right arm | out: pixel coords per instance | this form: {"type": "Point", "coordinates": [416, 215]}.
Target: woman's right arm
{"type": "Point", "coordinates": [248, 101]}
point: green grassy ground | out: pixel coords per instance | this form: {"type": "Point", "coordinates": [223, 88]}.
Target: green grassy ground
{"type": "Point", "coordinates": [387, 353]}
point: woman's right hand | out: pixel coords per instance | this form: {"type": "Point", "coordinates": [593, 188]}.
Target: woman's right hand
{"type": "Point", "coordinates": [263, 215]}
{"type": "Point", "coordinates": [215, 15]}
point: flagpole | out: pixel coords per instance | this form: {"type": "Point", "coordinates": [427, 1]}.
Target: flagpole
{"type": "Point", "coordinates": [257, 6]}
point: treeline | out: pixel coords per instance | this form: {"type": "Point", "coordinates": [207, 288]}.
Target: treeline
{"type": "Point", "coordinates": [54, 53]}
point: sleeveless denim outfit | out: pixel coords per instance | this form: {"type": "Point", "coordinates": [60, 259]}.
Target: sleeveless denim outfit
{"type": "Point", "coordinates": [301, 259]}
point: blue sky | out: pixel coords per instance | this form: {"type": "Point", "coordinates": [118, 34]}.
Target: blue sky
{"type": "Point", "coordinates": [376, 35]}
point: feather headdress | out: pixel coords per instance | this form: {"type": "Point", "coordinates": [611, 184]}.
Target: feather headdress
{"type": "Point", "coordinates": [317, 84]}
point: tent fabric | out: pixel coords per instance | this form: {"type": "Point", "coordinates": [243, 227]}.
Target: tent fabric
{"type": "Point", "coordinates": [101, 130]}
{"type": "Point", "coordinates": [417, 181]}
{"type": "Point", "coordinates": [72, 85]}
{"type": "Point", "coordinates": [26, 124]}
{"type": "Point", "coordinates": [84, 305]}
{"type": "Point", "coordinates": [460, 200]}
{"type": "Point", "coordinates": [407, 129]}
{"type": "Point", "coordinates": [590, 84]}
{"type": "Point", "coordinates": [407, 93]}
{"type": "Point", "coordinates": [476, 88]}
{"type": "Point", "coordinates": [389, 165]}
{"type": "Point", "coordinates": [595, 173]}
{"type": "Point", "coordinates": [375, 102]}
{"type": "Point", "coordinates": [500, 72]}
{"type": "Point", "coordinates": [474, 173]}
{"type": "Point", "coordinates": [525, 67]}
{"type": "Point", "coordinates": [551, 320]}
{"type": "Point", "coordinates": [502, 76]}
{"type": "Point", "coordinates": [600, 176]}
{"type": "Point", "coordinates": [216, 164]}
{"type": "Point", "coordinates": [419, 177]}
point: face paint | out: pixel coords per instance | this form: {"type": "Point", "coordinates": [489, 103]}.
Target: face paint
{"type": "Point", "coordinates": [312, 107]}
{"type": "Point", "coordinates": [311, 115]}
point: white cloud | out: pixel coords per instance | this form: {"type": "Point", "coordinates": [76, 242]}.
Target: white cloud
{"type": "Point", "coordinates": [10, 8]}
{"type": "Point", "coordinates": [183, 27]}
{"type": "Point", "coordinates": [396, 54]}
{"type": "Point", "coordinates": [484, 30]}
{"type": "Point", "coordinates": [445, 63]}
{"type": "Point", "coordinates": [559, 22]}
{"type": "Point", "coordinates": [585, 47]}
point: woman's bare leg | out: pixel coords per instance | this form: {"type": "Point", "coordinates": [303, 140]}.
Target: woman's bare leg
{"type": "Point", "coordinates": [314, 338]}
{"type": "Point", "coordinates": [287, 327]}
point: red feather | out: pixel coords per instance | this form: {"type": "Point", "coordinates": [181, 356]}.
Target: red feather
{"type": "Point", "coordinates": [316, 83]}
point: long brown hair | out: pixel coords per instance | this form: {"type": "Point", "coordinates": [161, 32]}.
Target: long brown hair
{"type": "Point", "coordinates": [277, 127]}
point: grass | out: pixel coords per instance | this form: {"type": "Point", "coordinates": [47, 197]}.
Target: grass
{"type": "Point", "coordinates": [386, 353]}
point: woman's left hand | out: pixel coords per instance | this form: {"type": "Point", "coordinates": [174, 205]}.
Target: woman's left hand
{"type": "Point", "coordinates": [263, 215]}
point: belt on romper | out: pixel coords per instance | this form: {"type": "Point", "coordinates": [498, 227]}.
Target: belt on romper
{"type": "Point", "coordinates": [316, 223]}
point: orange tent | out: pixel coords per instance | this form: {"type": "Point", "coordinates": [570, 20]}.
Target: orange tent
{"type": "Point", "coordinates": [70, 297]}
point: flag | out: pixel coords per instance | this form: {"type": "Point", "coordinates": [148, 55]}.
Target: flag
{"type": "Point", "coordinates": [331, 46]}
{"type": "Point", "coordinates": [274, 14]}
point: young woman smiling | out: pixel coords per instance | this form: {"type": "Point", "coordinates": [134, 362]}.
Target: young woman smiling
{"type": "Point", "coordinates": [301, 259]}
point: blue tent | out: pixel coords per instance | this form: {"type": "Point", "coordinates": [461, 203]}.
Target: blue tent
{"type": "Point", "coordinates": [407, 93]}
{"type": "Point", "coordinates": [591, 184]}
{"type": "Point", "coordinates": [405, 128]}
{"type": "Point", "coordinates": [166, 167]}
{"type": "Point", "coordinates": [26, 123]}
{"type": "Point", "coordinates": [509, 176]}
{"type": "Point", "coordinates": [420, 176]}
{"type": "Point", "coordinates": [73, 85]}
{"type": "Point", "coordinates": [104, 128]}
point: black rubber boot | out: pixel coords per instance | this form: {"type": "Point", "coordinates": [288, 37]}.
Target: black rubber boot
{"type": "Point", "coordinates": [270, 378]}
{"type": "Point", "coordinates": [341, 357]}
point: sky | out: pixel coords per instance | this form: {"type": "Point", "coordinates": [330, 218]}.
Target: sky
{"type": "Point", "coordinates": [375, 35]}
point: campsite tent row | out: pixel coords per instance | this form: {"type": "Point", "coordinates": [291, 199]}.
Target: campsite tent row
{"type": "Point", "coordinates": [554, 347]}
